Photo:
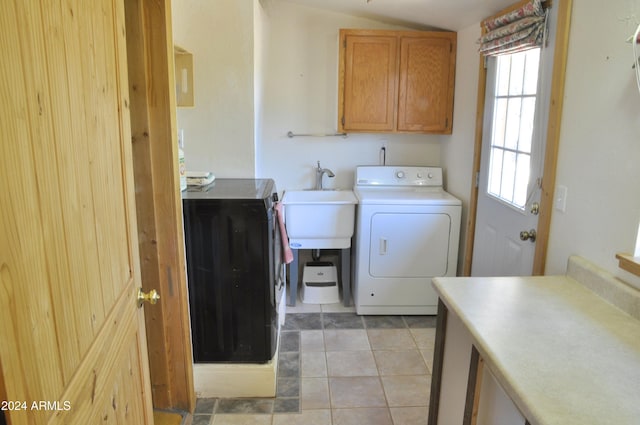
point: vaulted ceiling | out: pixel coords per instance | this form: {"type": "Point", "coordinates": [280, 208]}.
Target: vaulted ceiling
{"type": "Point", "coordinates": [451, 15]}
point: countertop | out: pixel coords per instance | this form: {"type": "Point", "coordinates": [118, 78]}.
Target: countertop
{"type": "Point", "coordinates": [562, 353]}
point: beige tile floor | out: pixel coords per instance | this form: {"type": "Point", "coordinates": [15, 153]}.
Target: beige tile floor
{"type": "Point", "coordinates": [369, 376]}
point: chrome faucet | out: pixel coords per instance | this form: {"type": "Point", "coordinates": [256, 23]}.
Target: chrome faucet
{"type": "Point", "coordinates": [319, 173]}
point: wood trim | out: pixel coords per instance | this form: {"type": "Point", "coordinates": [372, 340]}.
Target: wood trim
{"type": "Point", "coordinates": [629, 263]}
{"type": "Point", "coordinates": [342, 52]}
{"type": "Point", "coordinates": [158, 202]}
{"type": "Point", "coordinates": [553, 134]}
{"type": "Point", "coordinates": [438, 358]}
{"type": "Point", "coordinates": [551, 149]}
{"type": "Point", "coordinates": [477, 154]}
{"type": "Point", "coordinates": [474, 383]}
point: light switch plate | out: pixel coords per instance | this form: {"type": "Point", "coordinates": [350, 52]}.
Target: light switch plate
{"type": "Point", "coordinates": [560, 201]}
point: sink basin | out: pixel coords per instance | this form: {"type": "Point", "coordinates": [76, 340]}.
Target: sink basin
{"type": "Point", "coordinates": [319, 218]}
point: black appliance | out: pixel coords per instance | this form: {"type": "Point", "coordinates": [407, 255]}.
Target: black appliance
{"type": "Point", "coordinates": [233, 261]}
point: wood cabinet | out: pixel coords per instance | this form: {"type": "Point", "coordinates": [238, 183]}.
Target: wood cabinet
{"type": "Point", "coordinates": [396, 81]}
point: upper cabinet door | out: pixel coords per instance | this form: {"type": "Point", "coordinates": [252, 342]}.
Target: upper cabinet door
{"type": "Point", "coordinates": [396, 81]}
{"type": "Point", "coordinates": [370, 82]}
{"type": "Point", "coordinates": [427, 72]}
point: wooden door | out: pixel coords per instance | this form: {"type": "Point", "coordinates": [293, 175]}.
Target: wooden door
{"type": "Point", "coordinates": [370, 69]}
{"type": "Point", "coordinates": [72, 345]}
{"type": "Point", "coordinates": [427, 73]}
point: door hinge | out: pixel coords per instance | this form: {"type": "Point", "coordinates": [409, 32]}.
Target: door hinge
{"type": "Point", "coordinates": [344, 43]}
{"type": "Point", "coordinates": [343, 120]}
{"type": "Point", "coordinates": [477, 178]}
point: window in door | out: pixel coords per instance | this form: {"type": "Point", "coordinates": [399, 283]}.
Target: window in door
{"type": "Point", "coordinates": [512, 127]}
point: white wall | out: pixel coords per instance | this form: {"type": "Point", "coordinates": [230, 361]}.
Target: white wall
{"type": "Point", "coordinates": [219, 130]}
{"type": "Point", "coordinates": [302, 96]}
{"type": "Point", "coordinates": [599, 156]}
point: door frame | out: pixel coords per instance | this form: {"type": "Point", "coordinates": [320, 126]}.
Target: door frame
{"type": "Point", "coordinates": [552, 141]}
{"type": "Point", "coordinates": [158, 201]}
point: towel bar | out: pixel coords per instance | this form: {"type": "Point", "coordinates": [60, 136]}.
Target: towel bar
{"type": "Point", "coordinates": [290, 134]}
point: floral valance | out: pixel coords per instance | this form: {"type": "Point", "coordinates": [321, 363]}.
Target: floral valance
{"type": "Point", "coordinates": [518, 30]}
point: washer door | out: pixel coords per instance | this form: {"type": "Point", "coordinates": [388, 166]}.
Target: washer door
{"type": "Point", "coordinates": [409, 244]}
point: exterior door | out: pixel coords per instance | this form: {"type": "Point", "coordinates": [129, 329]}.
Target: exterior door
{"type": "Point", "coordinates": [72, 346]}
{"type": "Point", "coordinates": [485, 256]}
{"type": "Point", "coordinates": [511, 167]}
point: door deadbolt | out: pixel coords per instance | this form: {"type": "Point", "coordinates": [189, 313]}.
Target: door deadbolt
{"type": "Point", "coordinates": [535, 208]}
{"type": "Point", "coordinates": [528, 236]}
{"type": "Point", "coordinates": [151, 297]}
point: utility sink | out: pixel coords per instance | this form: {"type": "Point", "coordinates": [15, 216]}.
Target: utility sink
{"type": "Point", "coordinates": [319, 219]}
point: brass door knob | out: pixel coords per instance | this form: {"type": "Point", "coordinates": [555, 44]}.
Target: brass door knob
{"type": "Point", "coordinates": [528, 236]}
{"type": "Point", "coordinates": [151, 297]}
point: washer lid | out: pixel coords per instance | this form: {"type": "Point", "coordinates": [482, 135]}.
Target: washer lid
{"type": "Point", "coordinates": [385, 195]}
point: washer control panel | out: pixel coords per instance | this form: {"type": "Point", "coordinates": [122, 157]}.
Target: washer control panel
{"type": "Point", "coordinates": [398, 176]}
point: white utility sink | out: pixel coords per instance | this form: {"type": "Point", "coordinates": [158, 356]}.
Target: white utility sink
{"type": "Point", "coordinates": [319, 218]}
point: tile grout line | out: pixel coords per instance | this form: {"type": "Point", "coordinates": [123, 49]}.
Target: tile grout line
{"type": "Point", "coordinates": [323, 328]}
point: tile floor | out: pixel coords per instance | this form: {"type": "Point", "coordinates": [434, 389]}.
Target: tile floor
{"type": "Point", "coordinates": [337, 368]}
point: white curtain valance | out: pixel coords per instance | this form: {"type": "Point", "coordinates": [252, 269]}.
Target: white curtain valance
{"type": "Point", "coordinates": [518, 30]}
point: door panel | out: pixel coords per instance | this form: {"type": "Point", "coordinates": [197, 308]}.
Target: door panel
{"type": "Point", "coordinates": [72, 333]}
{"type": "Point", "coordinates": [427, 67]}
{"type": "Point", "coordinates": [370, 83]}
{"type": "Point", "coordinates": [409, 245]}
{"type": "Point", "coordinates": [498, 250]}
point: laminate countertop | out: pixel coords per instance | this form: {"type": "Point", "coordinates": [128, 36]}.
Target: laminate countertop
{"type": "Point", "coordinates": [562, 353]}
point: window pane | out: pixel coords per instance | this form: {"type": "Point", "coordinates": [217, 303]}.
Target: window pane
{"type": "Point", "coordinates": [499, 122]}
{"type": "Point", "coordinates": [508, 176]}
{"type": "Point", "coordinates": [531, 71]}
{"type": "Point", "coordinates": [526, 124]}
{"type": "Point", "coordinates": [502, 77]}
{"type": "Point", "coordinates": [513, 123]}
{"type": "Point", "coordinates": [495, 171]}
{"type": "Point", "coordinates": [517, 73]}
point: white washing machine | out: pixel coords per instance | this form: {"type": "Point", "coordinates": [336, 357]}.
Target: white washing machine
{"type": "Point", "coordinates": [407, 232]}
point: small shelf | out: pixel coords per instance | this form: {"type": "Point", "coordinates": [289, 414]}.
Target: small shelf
{"type": "Point", "coordinates": [629, 263]}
